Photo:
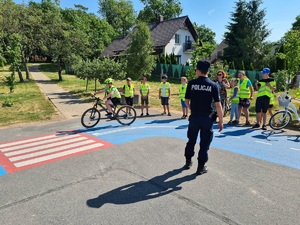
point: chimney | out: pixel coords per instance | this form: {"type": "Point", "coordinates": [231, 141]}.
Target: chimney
{"type": "Point", "coordinates": [160, 18]}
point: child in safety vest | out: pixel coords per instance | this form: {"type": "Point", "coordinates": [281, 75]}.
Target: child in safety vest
{"type": "Point", "coordinates": [234, 98]}
{"type": "Point", "coordinates": [182, 90]}
{"type": "Point", "coordinates": [128, 91]}
{"type": "Point", "coordinates": [144, 91]}
{"type": "Point", "coordinates": [164, 94]}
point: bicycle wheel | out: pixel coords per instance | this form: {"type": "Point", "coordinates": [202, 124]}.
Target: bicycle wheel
{"type": "Point", "coordinates": [90, 117]}
{"type": "Point", "coordinates": [126, 115]}
{"type": "Point", "coordinates": [280, 120]}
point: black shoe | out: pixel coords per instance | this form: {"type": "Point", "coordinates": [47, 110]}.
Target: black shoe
{"type": "Point", "coordinates": [188, 164]}
{"type": "Point", "coordinates": [264, 127]}
{"type": "Point", "coordinates": [256, 125]}
{"type": "Point", "coordinates": [147, 114]}
{"type": "Point", "coordinates": [247, 123]}
{"type": "Point", "coordinates": [108, 114]}
{"type": "Point", "coordinates": [201, 170]}
{"type": "Point", "coordinates": [142, 114]}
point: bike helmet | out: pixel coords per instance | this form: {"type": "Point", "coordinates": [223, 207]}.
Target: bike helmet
{"type": "Point", "coordinates": [108, 81]}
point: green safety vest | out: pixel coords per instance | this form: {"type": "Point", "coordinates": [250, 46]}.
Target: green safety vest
{"type": "Point", "coordinates": [182, 91]}
{"type": "Point", "coordinates": [244, 91]}
{"type": "Point", "coordinates": [129, 90]}
{"type": "Point", "coordinates": [272, 100]}
{"type": "Point", "coordinates": [167, 87]}
{"type": "Point", "coordinates": [115, 90]}
{"type": "Point", "coordinates": [264, 90]}
{"type": "Point", "coordinates": [144, 89]}
{"type": "Point", "coordinates": [236, 99]}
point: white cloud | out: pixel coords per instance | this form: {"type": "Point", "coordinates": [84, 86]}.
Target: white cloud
{"type": "Point", "coordinates": [210, 12]}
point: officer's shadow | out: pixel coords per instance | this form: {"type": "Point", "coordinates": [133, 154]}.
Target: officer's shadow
{"type": "Point", "coordinates": [142, 190]}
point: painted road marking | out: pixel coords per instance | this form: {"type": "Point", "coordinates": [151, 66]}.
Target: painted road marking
{"type": "Point", "coordinates": [23, 154]}
{"type": "Point", "coordinates": [295, 149]}
{"type": "Point", "coordinates": [262, 142]}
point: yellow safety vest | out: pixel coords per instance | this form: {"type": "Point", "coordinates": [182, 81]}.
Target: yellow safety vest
{"type": "Point", "coordinates": [129, 90]}
{"type": "Point", "coordinates": [236, 98]}
{"type": "Point", "coordinates": [264, 90]}
{"type": "Point", "coordinates": [272, 100]}
{"type": "Point", "coordinates": [244, 91]}
{"type": "Point", "coordinates": [167, 87]}
{"type": "Point", "coordinates": [182, 91]}
{"type": "Point", "coordinates": [144, 89]}
{"type": "Point", "coordinates": [115, 90]}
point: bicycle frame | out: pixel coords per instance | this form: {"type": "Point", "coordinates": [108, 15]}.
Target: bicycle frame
{"type": "Point", "coordinates": [292, 108]}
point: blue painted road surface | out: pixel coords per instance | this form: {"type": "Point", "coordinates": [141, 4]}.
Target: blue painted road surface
{"type": "Point", "coordinates": [264, 145]}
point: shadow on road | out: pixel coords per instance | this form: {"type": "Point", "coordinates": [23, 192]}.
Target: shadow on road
{"type": "Point", "coordinates": [142, 190]}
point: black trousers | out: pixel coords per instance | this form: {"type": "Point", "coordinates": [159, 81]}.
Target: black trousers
{"type": "Point", "coordinates": [202, 124]}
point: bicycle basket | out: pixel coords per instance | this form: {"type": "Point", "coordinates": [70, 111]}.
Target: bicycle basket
{"type": "Point", "coordinates": [284, 100]}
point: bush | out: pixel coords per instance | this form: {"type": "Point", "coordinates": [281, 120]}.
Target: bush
{"type": "Point", "coordinates": [7, 103]}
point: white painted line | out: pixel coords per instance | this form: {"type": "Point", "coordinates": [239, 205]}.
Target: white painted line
{"type": "Point", "coordinates": [26, 141]}
{"type": "Point", "coordinates": [235, 137]}
{"type": "Point", "coordinates": [57, 155]}
{"type": "Point", "coordinates": [40, 142]}
{"type": "Point", "coordinates": [60, 148]}
{"type": "Point", "coordinates": [265, 143]}
{"type": "Point", "coordinates": [295, 149]}
{"type": "Point", "coordinates": [41, 147]}
{"type": "Point", "coordinates": [131, 128]}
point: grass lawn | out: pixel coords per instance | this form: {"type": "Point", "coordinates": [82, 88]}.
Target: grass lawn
{"type": "Point", "coordinates": [29, 104]}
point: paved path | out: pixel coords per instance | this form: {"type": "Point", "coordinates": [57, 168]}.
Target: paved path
{"type": "Point", "coordinates": [68, 105]}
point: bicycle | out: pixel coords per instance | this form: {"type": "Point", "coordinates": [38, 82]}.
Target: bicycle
{"type": "Point", "coordinates": [226, 106]}
{"type": "Point", "coordinates": [124, 114]}
{"type": "Point", "coordinates": [283, 117]}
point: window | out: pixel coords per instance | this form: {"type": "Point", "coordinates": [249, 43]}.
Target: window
{"type": "Point", "coordinates": [178, 58]}
{"type": "Point", "coordinates": [177, 39]}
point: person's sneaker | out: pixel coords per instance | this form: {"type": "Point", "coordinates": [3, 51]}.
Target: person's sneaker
{"type": "Point", "coordinates": [147, 114]}
{"type": "Point", "coordinates": [142, 114]}
{"type": "Point", "coordinates": [247, 123]}
{"type": "Point", "coordinates": [188, 164]}
{"type": "Point", "coordinates": [264, 127]}
{"type": "Point", "coordinates": [164, 113]}
{"type": "Point", "coordinates": [256, 125]}
{"type": "Point", "coordinates": [169, 114]}
{"type": "Point", "coordinates": [235, 122]}
{"type": "Point", "coordinates": [229, 123]}
{"type": "Point", "coordinates": [108, 114]}
{"type": "Point", "coordinates": [201, 170]}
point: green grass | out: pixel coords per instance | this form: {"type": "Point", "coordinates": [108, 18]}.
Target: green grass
{"type": "Point", "coordinates": [29, 104]}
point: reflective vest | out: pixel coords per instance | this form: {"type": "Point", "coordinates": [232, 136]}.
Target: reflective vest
{"type": "Point", "coordinates": [167, 87]}
{"type": "Point", "coordinates": [144, 89]}
{"type": "Point", "coordinates": [264, 90]}
{"type": "Point", "coordinates": [182, 91]}
{"type": "Point", "coordinates": [272, 100]}
{"type": "Point", "coordinates": [116, 93]}
{"type": "Point", "coordinates": [244, 91]}
{"type": "Point", "coordinates": [129, 90]}
{"type": "Point", "coordinates": [236, 99]}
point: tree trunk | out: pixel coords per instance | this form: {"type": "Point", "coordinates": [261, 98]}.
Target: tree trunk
{"type": "Point", "coordinates": [95, 84]}
{"type": "Point", "coordinates": [59, 71]}
{"type": "Point", "coordinates": [87, 84]}
{"type": "Point", "coordinates": [20, 75]}
{"type": "Point", "coordinates": [24, 61]}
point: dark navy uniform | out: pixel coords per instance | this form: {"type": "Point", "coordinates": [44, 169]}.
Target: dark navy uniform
{"type": "Point", "coordinates": [201, 92]}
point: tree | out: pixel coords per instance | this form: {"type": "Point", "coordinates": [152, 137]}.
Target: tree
{"type": "Point", "coordinates": [246, 35]}
{"type": "Point", "coordinates": [153, 8]}
{"type": "Point", "coordinates": [296, 24]}
{"type": "Point", "coordinates": [291, 55]}
{"type": "Point", "coordinates": [119, 14]}
{"type": "Point", "coordinates": [139, 56]}
{"type": "Point", "coordinates": [205, 34]}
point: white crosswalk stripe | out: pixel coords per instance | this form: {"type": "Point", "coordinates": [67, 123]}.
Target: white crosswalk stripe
{"type": "Point", "coordinates": [47, 148]}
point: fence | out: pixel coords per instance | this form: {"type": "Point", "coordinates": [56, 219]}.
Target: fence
{"type": "Point", "coordinates": [252, 75]}
{"type": "Point", "coordinates": [172, 71]}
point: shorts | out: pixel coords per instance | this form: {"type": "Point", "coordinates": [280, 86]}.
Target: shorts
{"type": "Point", "coordinates": [129, 101]}
{"type": "Point", "coordinates": [164, 100]}
{"type": "Point", "coordinates": [244, 102]}
{"type": "Point", "coordinates": [183, 103]}
{"type": "Point", "coordinates": [270, 106]}
{"type": "Point", "coordinates": [262, 104]}
{"type": "Point", "coordinates": [144, 101]}
{"type": "Point", "coordinates": [115, 101]}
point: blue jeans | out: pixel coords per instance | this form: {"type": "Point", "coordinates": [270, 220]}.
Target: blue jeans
{"type": "Point", "coordinates": [234, 111]}
{"type": "Point", "coordinates": [203, 124]}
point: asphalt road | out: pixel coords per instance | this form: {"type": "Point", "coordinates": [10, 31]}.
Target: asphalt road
{"type": "Point", "coordinates": [133, 175]}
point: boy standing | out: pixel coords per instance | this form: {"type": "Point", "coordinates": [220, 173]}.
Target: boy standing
{"type": "Point", "coordinates": [144, 91]}
{"type": "Point", "coordinates": [164, 94]}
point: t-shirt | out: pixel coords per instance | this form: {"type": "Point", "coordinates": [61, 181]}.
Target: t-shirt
{"type": "Point", "coordinates": [270, 79]}
{"type": "Point", "coordinates": [201, 92]}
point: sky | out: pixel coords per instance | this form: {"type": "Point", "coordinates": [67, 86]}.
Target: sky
{"type": "Point", "coordinates": [216, 14]}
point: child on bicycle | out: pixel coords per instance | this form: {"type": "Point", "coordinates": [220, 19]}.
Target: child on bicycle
{"type": "Point", "coordinates": [112, 95]}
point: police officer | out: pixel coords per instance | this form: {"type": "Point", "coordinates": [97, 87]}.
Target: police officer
{"type": "Point", "coordinates": [199, 96]}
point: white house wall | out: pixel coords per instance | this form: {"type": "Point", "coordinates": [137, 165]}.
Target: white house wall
{"type": "Point", "coordinates": [177, 49]}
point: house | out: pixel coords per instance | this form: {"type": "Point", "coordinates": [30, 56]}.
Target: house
{"type": "Point", "coordinates": [216, 55]}
{"type": "Point", "coordinates": [176, 36]}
